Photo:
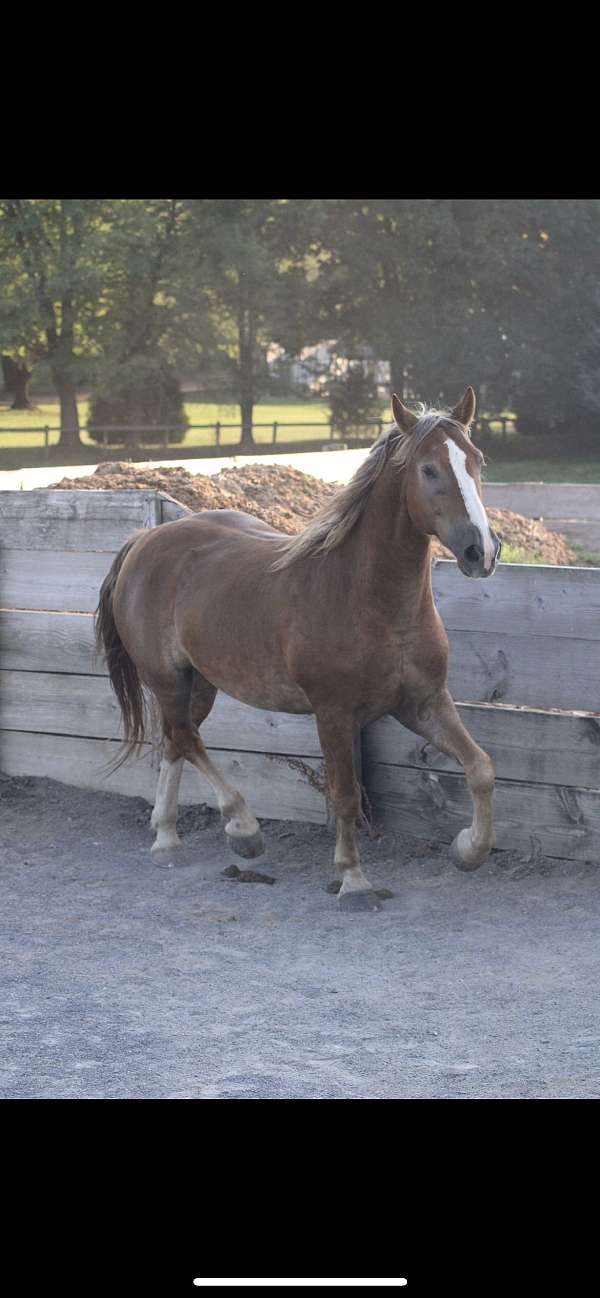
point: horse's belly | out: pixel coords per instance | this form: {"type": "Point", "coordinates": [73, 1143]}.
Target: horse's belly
{"type": "Point", "coordinates": [268, 695]}
{"type": "Point", "coordinates": [256, 676]}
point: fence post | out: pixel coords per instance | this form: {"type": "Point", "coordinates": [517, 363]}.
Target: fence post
{"type": "Point", "coordinates": [274, 436]}
{"type": "Point", "coordinates": [166, 438]}
{"type": "Point", "coordinates": [104, 438]}
{"type": "Point", "coordinates": [46, 440]}
{"type": "Point", "coordinates": [218, 432]}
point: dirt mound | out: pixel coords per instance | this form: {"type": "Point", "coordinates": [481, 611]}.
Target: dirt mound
{"type": "Point", "coordinates": [287, 498]}
{"type": "Point", "coordinates": [280, 495]}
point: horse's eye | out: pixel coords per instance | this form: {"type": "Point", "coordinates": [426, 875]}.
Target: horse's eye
{"type": "Point", "coordinates": [429, 471]}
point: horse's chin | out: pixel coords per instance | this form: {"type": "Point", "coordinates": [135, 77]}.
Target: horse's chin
{"type": "Point", "coordinates": [475, 570]}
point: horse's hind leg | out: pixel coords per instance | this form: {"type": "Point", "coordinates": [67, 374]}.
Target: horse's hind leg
{"type": "Point", "coordinates": [174, 698]}
{"type": "Point", "coordinates": [241, 827]}
{"type": "Point", "coordinates": [190, 699]}
{"type": "Point", "coordinates": [182, 742]}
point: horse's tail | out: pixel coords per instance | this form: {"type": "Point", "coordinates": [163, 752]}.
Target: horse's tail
{"type": "Point", "coordinates": [124, 675]}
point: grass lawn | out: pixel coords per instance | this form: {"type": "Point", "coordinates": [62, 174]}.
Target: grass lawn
{"type": "Point", "coordinates": [286, 412]}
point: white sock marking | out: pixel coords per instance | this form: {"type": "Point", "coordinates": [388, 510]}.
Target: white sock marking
{"type": "Point", "coordinates": [473, 505]}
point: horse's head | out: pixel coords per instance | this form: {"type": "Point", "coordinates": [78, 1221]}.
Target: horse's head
{"type": "Point", "coordinates": [443, 484]}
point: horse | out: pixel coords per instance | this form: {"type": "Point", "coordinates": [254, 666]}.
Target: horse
{"type": "Point", "coordinates": [338, 621]}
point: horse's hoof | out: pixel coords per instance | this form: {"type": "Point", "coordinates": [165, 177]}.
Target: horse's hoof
{"type": "Point", "coordinates": [463, 855]}
{"type": "Point", "coordinates": [247, 845]}
{"type": "Point", "coordinates": [355, 901]}
{"type": "Point", "coordinates": [169, 845]}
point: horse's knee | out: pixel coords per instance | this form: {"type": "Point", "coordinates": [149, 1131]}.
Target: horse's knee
{"type": "Point", "coordinates": [481, 774]}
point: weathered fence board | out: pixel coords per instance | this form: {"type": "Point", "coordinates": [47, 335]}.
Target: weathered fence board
{"type": "Point", "coordinates": [555, 819]}
{"type": "Point", "coordinates": [524, 599]}
{"type": "Point", "coordinates": [31, 641]}
{"type": "Point", "coordinates": [538, 747]}
{"type": "Point", "coordinates": [77, 520]}
{"type": "Point", "coordinates": [280, 787]}
{"type": "Point", "coordinates": [64, 580]}
{"type": "Point", "coordinates": [86, 706]}
{"type": "Point", "coordinates": [532, 670]}
{"type": "Point", "coordinates": [100, 521]}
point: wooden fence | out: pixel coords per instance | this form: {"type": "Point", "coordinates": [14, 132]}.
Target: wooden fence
{"type": "Point", "coordinates": [58, 714]}
{"type": "Point", "coordinates": [525, 665]}
{"type": "Point", "coordinates": [219, 434]}
{"type": "Point", "coordinates": [273, 434]}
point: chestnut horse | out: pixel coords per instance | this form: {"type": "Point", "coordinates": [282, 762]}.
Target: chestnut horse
{"type": "Point", "coordinates": [338, 621]}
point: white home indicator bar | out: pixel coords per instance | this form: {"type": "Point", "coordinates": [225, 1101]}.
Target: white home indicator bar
{"type": "Point", "coordinates": [299, 1283]}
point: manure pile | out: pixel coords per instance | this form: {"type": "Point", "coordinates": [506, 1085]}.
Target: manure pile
{"type": "Point", "coordinates": [287, 498]}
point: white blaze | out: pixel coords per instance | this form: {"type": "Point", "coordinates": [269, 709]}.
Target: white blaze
{"type": "Point", "coordinates": [473, 505]}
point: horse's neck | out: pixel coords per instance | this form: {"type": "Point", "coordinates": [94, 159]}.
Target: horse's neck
{"type": "Point", "coordinates": [394, 558]}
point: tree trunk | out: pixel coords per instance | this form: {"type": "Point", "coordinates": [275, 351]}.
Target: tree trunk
{"type": "Point", "coordinates": [7, 376]}
{"type": "Point", "coordinates": [16, 382]}
{"type": "Point", "coordinates": [247, 410]}
{"type": "Point", "coordinates": [246, 373]}
{"type": "Point", "coordinates": [397, 374]}
{"type": "Point", "coordinates": [69, 415]}
{"type": "Point", "coordinates": [20, 383]}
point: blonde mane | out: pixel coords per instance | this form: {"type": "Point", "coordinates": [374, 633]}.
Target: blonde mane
{"type": "Point", "coordinates": [337, 518]}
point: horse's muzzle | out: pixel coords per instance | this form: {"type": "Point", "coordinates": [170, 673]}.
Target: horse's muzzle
{"type": "Point", "coordinates": [466, 542]}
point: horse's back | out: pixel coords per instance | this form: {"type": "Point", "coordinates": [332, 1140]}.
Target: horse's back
{"type": "Point", "coordinates": [194, 562]}
{"type": "Point", "coordinates": [231, 520]}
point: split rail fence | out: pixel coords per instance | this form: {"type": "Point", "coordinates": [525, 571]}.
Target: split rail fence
{"type": "Point", "coordinates": [524, 666]}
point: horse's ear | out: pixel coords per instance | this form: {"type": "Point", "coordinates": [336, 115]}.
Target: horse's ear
{"type": "Point", "coordinates": [404, 418]}
{"type": "Point", "coordinates": [464, 412]}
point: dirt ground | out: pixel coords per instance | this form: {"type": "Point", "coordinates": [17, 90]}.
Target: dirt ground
{"type": "Point", "coordinates": [287, 498]}
{"type": "Point", "coordinates": [125, 977]}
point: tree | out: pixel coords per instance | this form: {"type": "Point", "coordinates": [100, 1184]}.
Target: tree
{"type": "Point", "coordinates": [396, 275]}
{"type": "Point", "coordinates": [144, 327]}
{"type": "Point", "coordinates": [51, 257]}
{"type": "Point", "coordinates": [249, 259]}
{"type": "Point", "coordinates": [353, 399]}
{"type": "Point", "coordinates": [501, 293]}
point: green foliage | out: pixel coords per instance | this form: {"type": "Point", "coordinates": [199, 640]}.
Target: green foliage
{"type": "Point", "coordinates": [144, 392]}
{"type": "Point", "coordinates": [140, 333]}
{"type": "Point", "coordinates": [353, 399]}
{"type": "Point", "coordinates": [248, 266]}
{"type": "Point", "coordinates": [498, 293]}
{"type": "Point", "coordinates": [124, 294]}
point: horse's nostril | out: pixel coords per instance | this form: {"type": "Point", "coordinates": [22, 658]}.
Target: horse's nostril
{"type": "Point", "coordinates": [473, 554]}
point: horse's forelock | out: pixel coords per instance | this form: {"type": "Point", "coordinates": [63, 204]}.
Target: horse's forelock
{"type": "Point", "coordinates": [427, 421]}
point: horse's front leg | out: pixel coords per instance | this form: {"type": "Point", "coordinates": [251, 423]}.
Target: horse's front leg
{"type": "Point", "coordinates": [440, 723]}
{"type": "Point", "coordinates": [336, 732]}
